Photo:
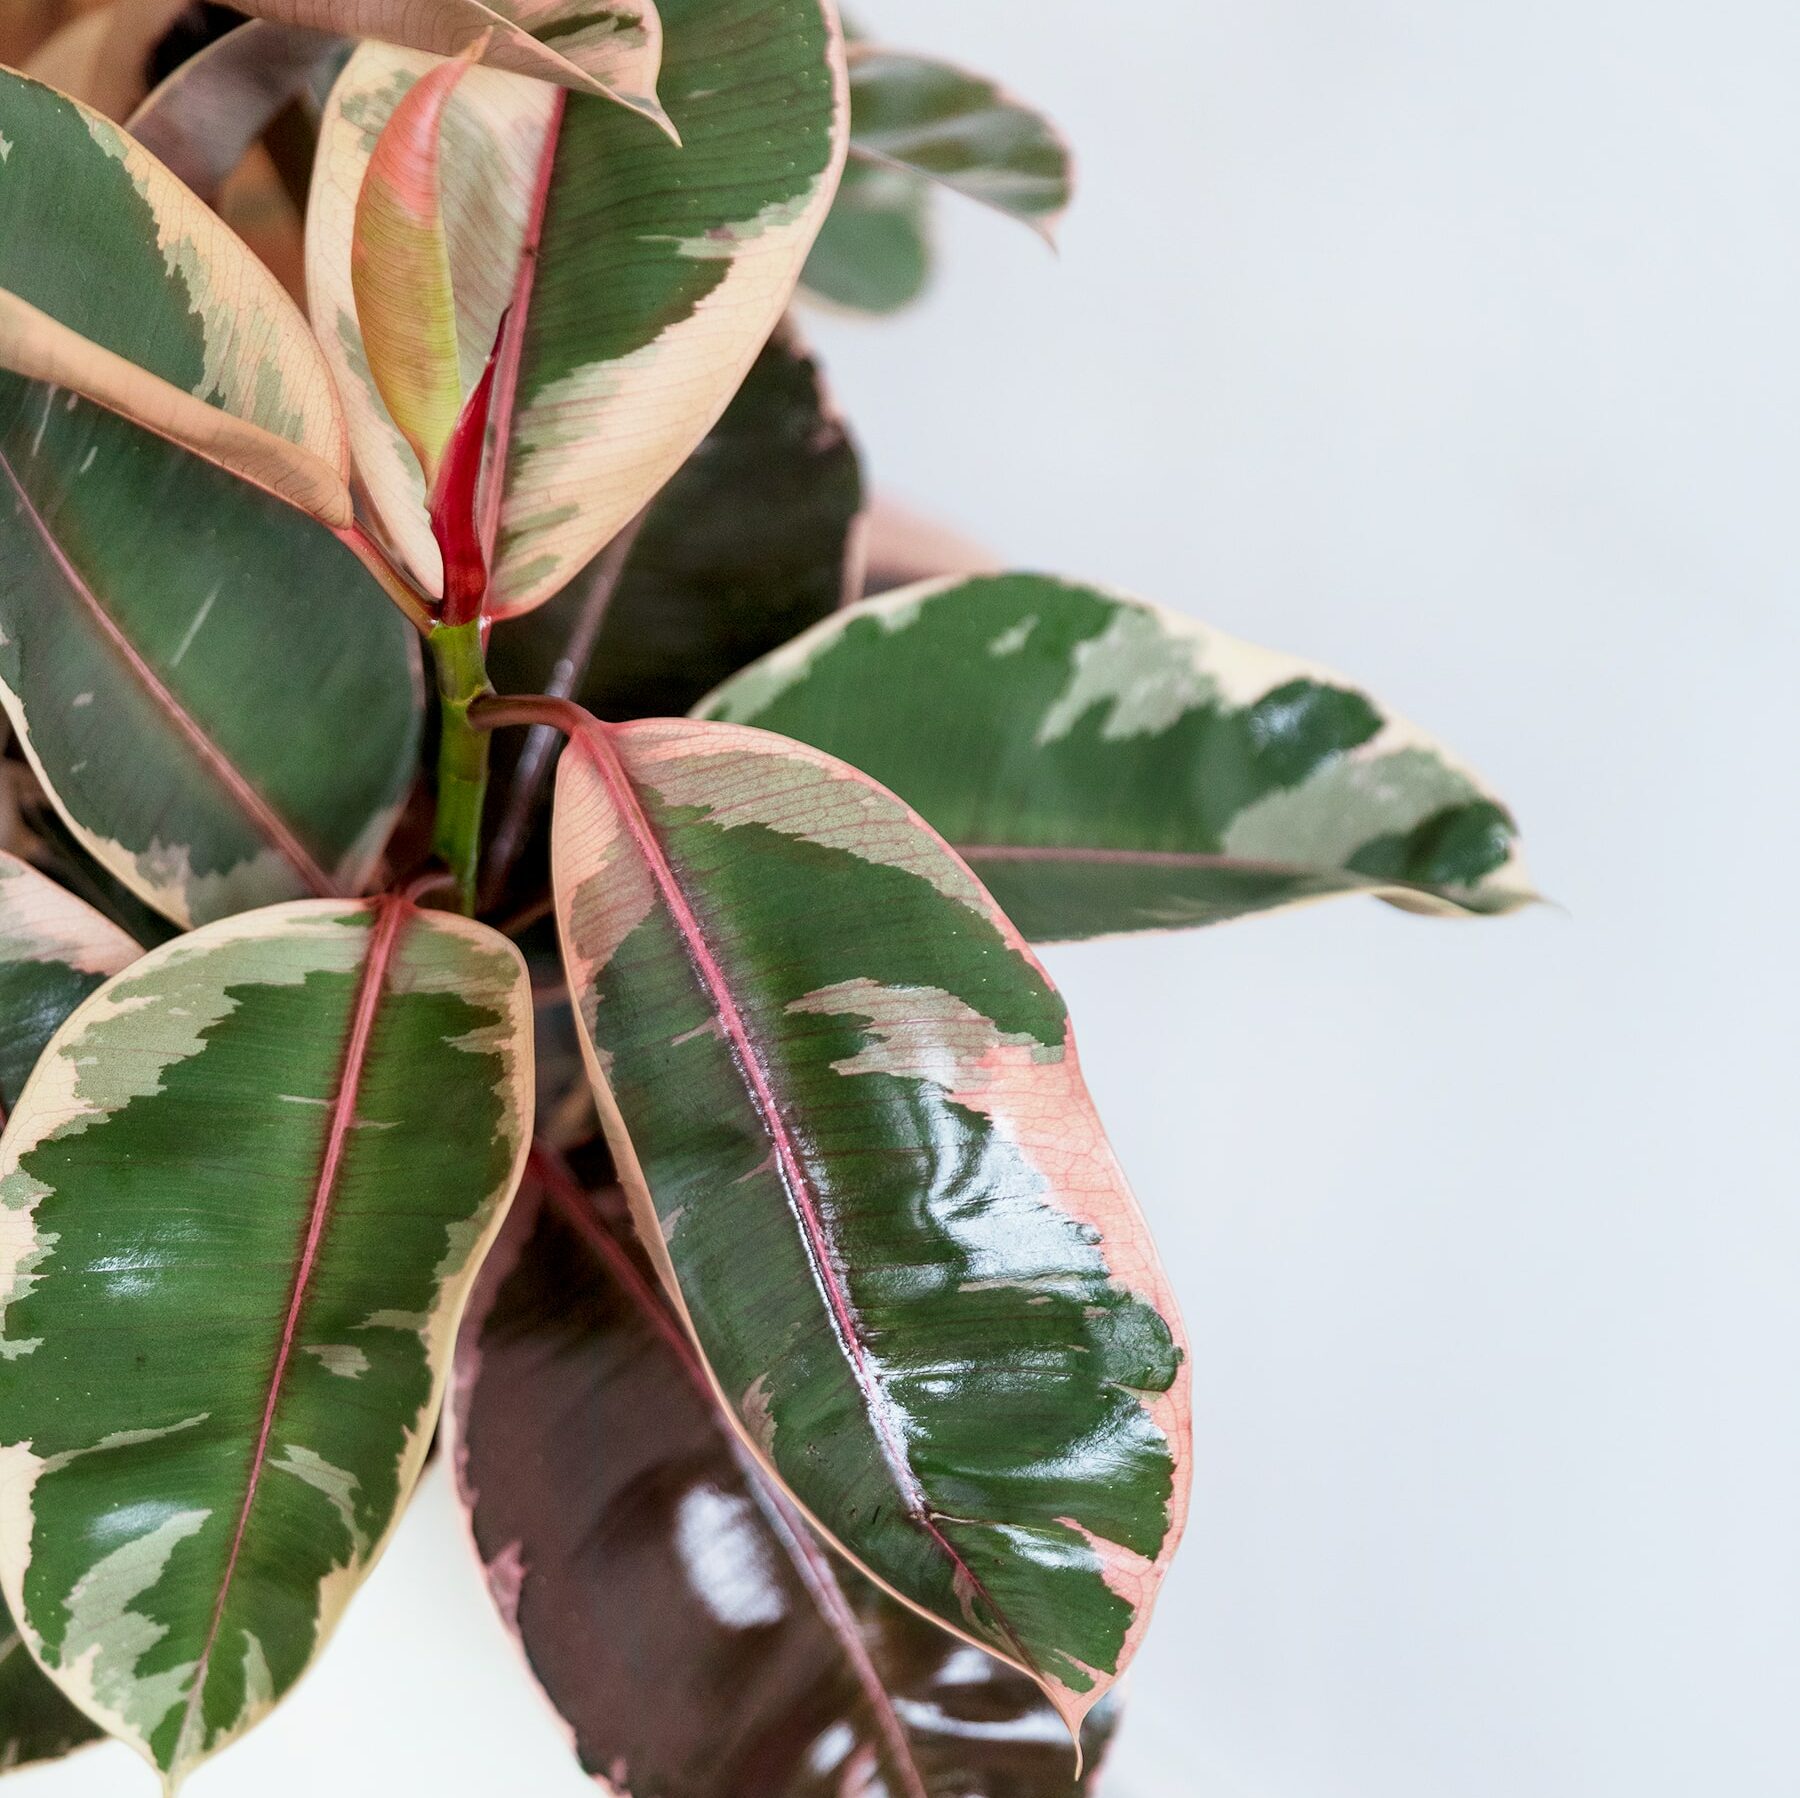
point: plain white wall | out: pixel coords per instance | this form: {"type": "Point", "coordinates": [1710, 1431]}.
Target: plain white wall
{"type": "Point", "coordinates": [1454, 345]}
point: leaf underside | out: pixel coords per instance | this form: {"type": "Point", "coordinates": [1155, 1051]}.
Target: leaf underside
{"type": "Point", "coordinates": [696, 1638]}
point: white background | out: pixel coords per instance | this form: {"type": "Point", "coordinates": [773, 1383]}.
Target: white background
{"type": "Point", "coordinates": [1455, 345]}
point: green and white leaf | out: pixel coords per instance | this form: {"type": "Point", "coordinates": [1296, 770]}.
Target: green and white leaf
{"type": "Point", "coordinates": [1106, 766]}
{"type": "Point", "coordinates": [131, 260]}
{"type": "Point", "coordinates": [959, 130]}
{"type": "Point", "coordinates": [54, 951]}
{"type": "Point", "coordinates": [241, 1201]}
{"type": "Point", "coordinates": [916, 122]}
{"type": "Point", "coordinates": [221, 703]}
{"type": "Point", "coordinates": [659, 271]}
{"type": "Point", "coordinates": [754, 539]}
{"type": "Point", "coordinates": [845, 1101]}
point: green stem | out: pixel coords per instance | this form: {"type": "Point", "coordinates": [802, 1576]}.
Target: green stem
{"type": "Point", "coordinates": [456, 650]}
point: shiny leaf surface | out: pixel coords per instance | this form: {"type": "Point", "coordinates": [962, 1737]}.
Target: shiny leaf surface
{"type": "Point", "coordinates": [642, 278]}
{"type": "Point", "coordinates": [693, 1634]}
{"type": "Point", "coordinates": [846, 1103]}
{"type": "Point", "coordinates": [1105, 766]}
{"type": "Point", "coordinates": [226, 714]}
{"type": "Point", "coordinates": [241, 1199]}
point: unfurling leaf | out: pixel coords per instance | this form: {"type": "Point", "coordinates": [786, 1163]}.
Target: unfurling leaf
{"type": "Point", "coordinates": [916, 121]}
{"type": "Point", "coordinates": [845, 1100]}
{"type": "Point", "coordinates": [1105, 766]}
{"type": "Point", "coordinates": [221, 704]}
{"type": "Point", "coordinates": [678, 1612]}
{"type": "Point", "coordinates": [610, 48]}
{"type": "Point", "coordinates": [642, 277]}
{"type": "Point", "coordinates": [244, 1193]}
{"type": "Point", "coordinates": [400, 271]}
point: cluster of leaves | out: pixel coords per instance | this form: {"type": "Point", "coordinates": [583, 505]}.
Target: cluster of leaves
{"type": "Point", "coordinates": [819, 1405]}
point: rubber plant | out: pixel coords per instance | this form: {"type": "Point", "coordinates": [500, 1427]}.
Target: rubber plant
{"type": "Point", "coordinates": [458, 766]}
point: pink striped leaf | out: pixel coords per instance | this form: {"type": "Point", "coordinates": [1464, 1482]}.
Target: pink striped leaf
{"type": "Point", "coordinates": [845, 1100]}
{"type": "Point", "coordinates": [241, 1199]}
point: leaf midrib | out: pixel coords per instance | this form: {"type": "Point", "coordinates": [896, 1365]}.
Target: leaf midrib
{"type": "Point", "coordinates": [391, 916]}
{"type": "Point", "coordinates": [596, 739]}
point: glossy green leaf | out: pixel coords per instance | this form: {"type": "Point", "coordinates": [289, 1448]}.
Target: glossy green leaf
{"type": "Point", "coordinates": [751, 542]}
{"type": "Point", "coordinates": [54, 951]}
{"type": "Point", "coordinates": [638, 279]}
{"type": "Point", "coordinates": [679, 1614]}
{"type": "Point", "coordinates": [915, 122]}
{"type": "Point", "coordinates": [241, 1199]}
{"type": "Point", "coordinates": [846, 1103]}
{"type": "Point", "coordinates": [1105, 766]}
{"type": "Point", "coordinates": [221, 703]}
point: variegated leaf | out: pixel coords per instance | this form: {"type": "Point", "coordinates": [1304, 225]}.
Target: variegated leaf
{"type": "Point", "coordinates": [610, 48]}
{"type": "Point", "coordinates": [54, 951]}
{"type": "Point", "coordinates": [960, 130]}
{"type": "Point", "coordinates": [678, 1612]}
{"type": "Point", "coordinates": [845, 1100]}
{"type": "Point", "coordinates": [135, 263]}
{"type": "Point", "coordinates": [221, 703]}
{"type": "Point", "coordinates": [752, 541]}
{"type": "Point", "coordinates": [553, 200]}
{"type": "Point", "coordinates": [1105, 766]}
{"type": "Point", "coordinates": [915, 121]}
{"type": "Point", "coordinates": [241, 1199]}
